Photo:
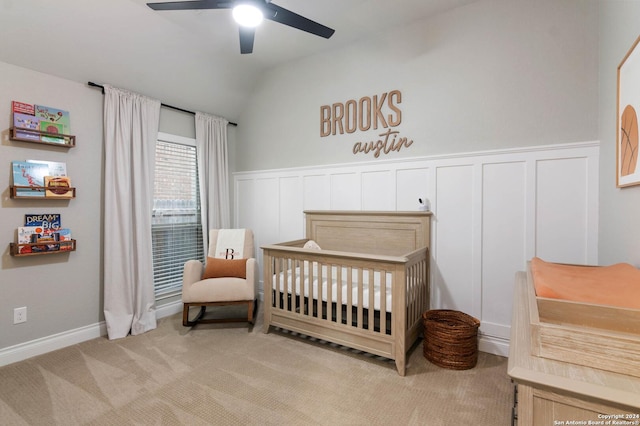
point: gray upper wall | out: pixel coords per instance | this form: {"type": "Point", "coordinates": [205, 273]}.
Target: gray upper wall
{"type": "Point", "coordinates": [619, 232]}
{"type": "Point", "coordinates": [490, 75]}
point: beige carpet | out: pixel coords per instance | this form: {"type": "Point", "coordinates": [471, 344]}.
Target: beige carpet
{"type": "Point", "coordinates": [232, 375]}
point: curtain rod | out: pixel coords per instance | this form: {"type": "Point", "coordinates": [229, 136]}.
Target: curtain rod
{"type": "Point", "coordinates": [164, 105]}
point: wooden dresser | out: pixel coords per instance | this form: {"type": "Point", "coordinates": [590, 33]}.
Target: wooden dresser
{"type": "Point", "coordinates": [550, 392]}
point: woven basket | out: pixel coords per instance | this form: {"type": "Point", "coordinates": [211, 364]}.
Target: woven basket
{"type": "Point", "coordinates": [450, 339]}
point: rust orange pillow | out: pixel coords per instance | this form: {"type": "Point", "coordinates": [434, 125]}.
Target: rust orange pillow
{"type": "Point", "coordinates": [222, 268]}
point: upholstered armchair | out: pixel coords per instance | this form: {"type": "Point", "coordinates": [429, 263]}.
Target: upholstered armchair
{"type": "Point", "coordinates": [229, 277]}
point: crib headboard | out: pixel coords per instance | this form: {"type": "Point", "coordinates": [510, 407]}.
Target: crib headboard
{"type": "Point", "coordinates": [372, 232]}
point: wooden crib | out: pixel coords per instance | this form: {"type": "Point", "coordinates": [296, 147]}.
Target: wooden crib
{"type": "Point", "coordinates": [366, 288]}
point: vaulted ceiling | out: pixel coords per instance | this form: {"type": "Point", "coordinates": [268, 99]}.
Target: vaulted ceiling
{"type": "Point", "coordinates": [187, 58]}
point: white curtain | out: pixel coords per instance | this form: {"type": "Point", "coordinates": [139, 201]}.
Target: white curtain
{"type": "Point", "coordinates": [130, 133]}
{"type": "Point", "coordinates": [213, 169]}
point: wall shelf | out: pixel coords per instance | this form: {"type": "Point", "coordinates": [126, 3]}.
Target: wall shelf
{"type": "Point", "coordinates": [41, 191]}
{"type": "Point", "coordinates": [35, 136]}
{"type": "Point", "coordinates": [19, 250]}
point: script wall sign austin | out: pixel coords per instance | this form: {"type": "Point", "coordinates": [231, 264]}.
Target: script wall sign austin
{"type": "Point", "coordinates": [378, 113]}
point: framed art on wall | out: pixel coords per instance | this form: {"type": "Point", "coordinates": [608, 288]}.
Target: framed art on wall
{"type": "Point", "coordinates": [627, 167]}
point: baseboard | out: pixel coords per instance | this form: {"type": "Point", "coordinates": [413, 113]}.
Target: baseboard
{"type": "Point", "coordinates": [168, 309]}
{"type": "Point", "coordinates": [43, 345]}
{"type": "Point", "coordinates": [54, 342]}
{"type": "Point", "coordinates": [494, 345]}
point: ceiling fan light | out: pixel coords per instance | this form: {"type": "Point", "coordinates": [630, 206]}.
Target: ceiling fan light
{"type": "Point", "coordinates": [247, 15]}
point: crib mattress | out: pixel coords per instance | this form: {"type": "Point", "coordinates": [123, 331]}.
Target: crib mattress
{"type": "Point", "coordinates": [307, 284]}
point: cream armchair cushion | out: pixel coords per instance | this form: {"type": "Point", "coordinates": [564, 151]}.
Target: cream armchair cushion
{"type": "Point", "coordinates": [220, 291]}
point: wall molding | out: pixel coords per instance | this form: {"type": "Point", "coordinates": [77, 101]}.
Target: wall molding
{"type": "Point", "coordinates": [493, 211]}
{"type": "Point", "coordinates": [438, 157]}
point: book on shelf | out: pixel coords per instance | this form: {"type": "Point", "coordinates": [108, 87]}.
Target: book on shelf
{"type": "Point", "coordinates": [22, 108]}
{"type": "Point", "coordinates": [29, 174]}
{"type": "Point", "coordinates": [44, 220]}
{"type": "Point", "coordinates": [25, 121]}
{"type": "Point", "coordinates": [29, 123]}
{"type": "Point", "coordinates": [58, 187]}
{"type": "Point", "coordinates": [55, 168]}
{"type": "Point", "coordinates": [51, 127]}
{"type": "Point", "coordinates": [54, 115]}
{"type": "Point", "coordinates": [47, 239]}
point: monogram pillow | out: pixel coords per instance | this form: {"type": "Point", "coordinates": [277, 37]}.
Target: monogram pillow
{"type": "Point", "coordinates": [223, 268]}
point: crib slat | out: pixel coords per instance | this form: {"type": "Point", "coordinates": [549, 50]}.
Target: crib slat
{"type": "Point", "coordinates": [308, 288]}
{"type": "Point", "coordinates": [318, 299]}
{"type": "Point", "coordinates": [349, 296]}
{"type": "Point", "coordinates": [383, 302]}
{"type": "Point", "coordinates": [285, 287]}
{"type": "Point", "coordinates": [411, 293]}
{"type": "Point", "coordinates": [329, 292]}
{"type": "Point", "coordinates": [276, 291]}
{"type": "Point", "coordinates": [360, 296]}
{"type": "Point", "coordinates": [339, 295]}
{"type": "Point", "coordinates": [300, 292]}
{"type": "Point", "coordinates": [372, 298]}
{"type": "Point", "coordinates": [266, 278]}
{"type": "Point", "coordinates": [294, 288]}
{"type": "Point", "coordinates": [424, 287]}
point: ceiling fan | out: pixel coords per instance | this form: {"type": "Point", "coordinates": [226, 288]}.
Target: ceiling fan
{"type": "Point", "coordinates": [255, 11]}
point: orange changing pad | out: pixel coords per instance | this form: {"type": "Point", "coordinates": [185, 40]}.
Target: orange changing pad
{"type": "Point", "coordinates": [615, 285]}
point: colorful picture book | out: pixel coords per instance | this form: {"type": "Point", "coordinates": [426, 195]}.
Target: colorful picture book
{"type": "Point", "coordinates": [22, 108]}
{"type": "Point", "coordinates": [55, 128]}
{"type": "Point", "coordinates": [27, 122]}
{"type": "Point", "coordinates": [54, 115]}
{"type": "Point", "coordinates": [44, 220]}
{"type": "Point", "coordinates": [29, 176]}
{"type": "Point", "coordinates": [47, 239]}
{"type": "Point", "coordinates": [55, 168]}
{"type": "Point", "coordinates": [58, 187]}
{"type": "Point", "coordinates": [35, 119]}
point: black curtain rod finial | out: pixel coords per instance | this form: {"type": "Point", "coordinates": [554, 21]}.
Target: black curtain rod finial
{"type": "Point", "coordinates": [92, 84]}
{"type": "Point", "coordinates": [96, 85]}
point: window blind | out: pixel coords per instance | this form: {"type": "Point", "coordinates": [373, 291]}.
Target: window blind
{"type": "Point", "coordinates": [176, 227]}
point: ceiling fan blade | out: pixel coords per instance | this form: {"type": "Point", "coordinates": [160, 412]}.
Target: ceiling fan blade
{"type": "Point", "coordinates": [286, 17]}
{"type": "Point", "coordinates": [190, 5]}
{"type": "Point", "coordinates": [247, 36]}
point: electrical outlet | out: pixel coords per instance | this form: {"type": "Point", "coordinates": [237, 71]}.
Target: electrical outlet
{"type": "Point", "coordinates": [20, 315]}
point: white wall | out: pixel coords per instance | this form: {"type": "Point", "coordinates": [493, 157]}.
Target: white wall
{"type": "Point", "coordinates": [491, 75]}
{"type": "Point", "coordinates": [62, 292]}
{"type": "Point", "coordinates": [493, 211]}
{"type": "Point", "coordinates": [619, 207]}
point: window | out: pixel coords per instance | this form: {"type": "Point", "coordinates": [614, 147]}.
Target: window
{"type": "Point", "coordinates": [176, 228]}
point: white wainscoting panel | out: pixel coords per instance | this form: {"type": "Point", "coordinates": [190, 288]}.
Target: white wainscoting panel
{"type": "Point", "coordinates": [493, 211]}
{"type": "Point", "coordinates": [378, 190]}
{"type": "Point", "coordinates": [504, 218]}
{"type": "Point", "coordinates": [346, 191]}
{"type": "Point", "coordinates": [408, 183]}
{"type": "Point", "coordinates": [317, 192]}
{"type": "Point", "coordinates": [453, 254]}
{"type": "Point", "coordinates": [291, 222]}
{"type": "Point", "coordinates": [561, 216]}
